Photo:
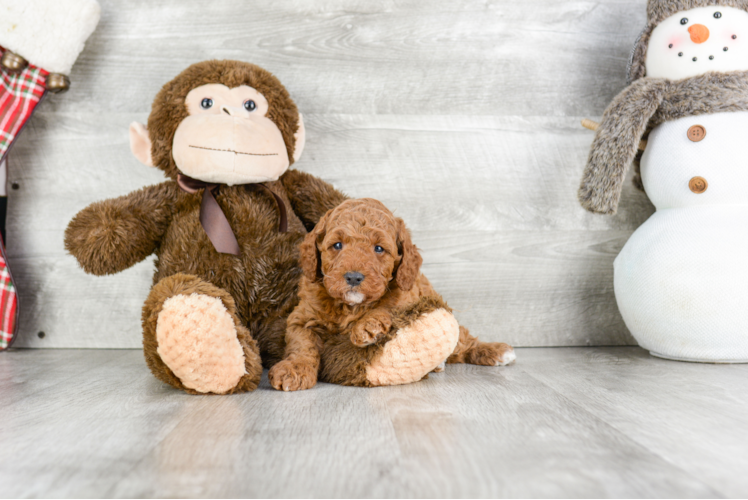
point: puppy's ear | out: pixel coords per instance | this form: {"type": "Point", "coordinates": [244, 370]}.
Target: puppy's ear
{"type": "Point", "coordinates": [309, 258]}
{"type": "Point", "coordinates": [410, 259]}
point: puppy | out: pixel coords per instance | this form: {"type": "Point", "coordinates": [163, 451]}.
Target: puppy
{"type": "Point", "coordinates": [361, 278]}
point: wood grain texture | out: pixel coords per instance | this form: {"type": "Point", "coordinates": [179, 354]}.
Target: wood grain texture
{"type": "Point", "coordinates": [462, 116]}
{"type": "Point", "coordinates": [563, 422]}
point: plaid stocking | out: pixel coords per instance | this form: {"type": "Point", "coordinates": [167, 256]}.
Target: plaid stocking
{"type": "Point", "coordinates": [45, 34]}
{"type": "Point", "coordinates": [8, 302]}
{"type": "Point", "coordinates": [19, 95]}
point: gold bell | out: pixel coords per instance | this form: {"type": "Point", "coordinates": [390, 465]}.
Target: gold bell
{"type": "Point", "coordinates": [13, 62]}
{"type": "Point", "coordinates": [57, 83]}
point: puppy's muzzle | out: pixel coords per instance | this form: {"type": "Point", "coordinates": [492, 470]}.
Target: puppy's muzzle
{"type": "Point", "coordinates": [353, 278]}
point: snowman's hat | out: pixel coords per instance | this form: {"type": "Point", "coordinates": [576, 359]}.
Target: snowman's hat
{"type": "Point", "coordinates": [658, 11]}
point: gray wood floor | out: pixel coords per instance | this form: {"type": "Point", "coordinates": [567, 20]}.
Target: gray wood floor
{"type": "Point", "coordinates": [460, 115]}
{"type": "Point", "coordinates": [562, 422]}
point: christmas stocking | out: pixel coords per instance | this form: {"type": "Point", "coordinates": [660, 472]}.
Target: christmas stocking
{"type": "Point", "coordinates": [39, 42]}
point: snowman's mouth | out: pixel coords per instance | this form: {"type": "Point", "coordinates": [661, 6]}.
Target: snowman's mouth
{"type": "Point", "coordinates": [711, 57]}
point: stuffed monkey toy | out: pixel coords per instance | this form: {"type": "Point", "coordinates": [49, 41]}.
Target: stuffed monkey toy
{"type": "Point", "coordinates": [226, 227]}
{"type": "Point", "coordinates": [680, 281]}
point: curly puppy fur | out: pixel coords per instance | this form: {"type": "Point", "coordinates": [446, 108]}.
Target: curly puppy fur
{"type": "Point", "coordinates": [639, 108]}
{"type": "Point", "coordinates": [112, 235]}
{"type": "Point", "coordinates": [338, 328]}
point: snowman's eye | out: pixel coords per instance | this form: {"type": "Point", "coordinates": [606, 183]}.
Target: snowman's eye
{"type": "Point", "coordinates": [684, 20]}
{"type": "Point", "coordinates": [717, 15]}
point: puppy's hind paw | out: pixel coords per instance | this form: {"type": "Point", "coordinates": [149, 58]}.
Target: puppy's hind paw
{"type": "Point", "coordinates": [509, 357]}
{"type": "Point", "coordinates": [492, 354]}
{"type": "Point", "coordinates": [289, 376]}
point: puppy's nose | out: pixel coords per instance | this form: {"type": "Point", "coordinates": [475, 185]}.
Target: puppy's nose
{"type": "Point", "coordinates": [354, 278]}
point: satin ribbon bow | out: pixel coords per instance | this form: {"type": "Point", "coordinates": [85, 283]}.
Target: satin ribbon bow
{"type": "Point", "coordinates": [214, 221]}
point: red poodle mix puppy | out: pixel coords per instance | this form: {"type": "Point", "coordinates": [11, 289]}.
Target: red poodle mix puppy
{"type": "Point", "coordinates": [361, 284]}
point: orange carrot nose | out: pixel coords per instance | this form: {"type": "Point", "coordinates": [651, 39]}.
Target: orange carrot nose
{"type": "Point", "coordinates": [699, 33]}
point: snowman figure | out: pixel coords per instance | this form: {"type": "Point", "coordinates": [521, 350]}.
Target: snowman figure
{"type": "Point", "coordinates": [681, 281]}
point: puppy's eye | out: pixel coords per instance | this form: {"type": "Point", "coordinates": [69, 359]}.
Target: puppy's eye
{"type": "Point", "coordinates": [338, 246]}
{"type": "Point", "coordinates": [684, 20]}
{"type": "Point", "coordinates": [207, 103]}
{"type": "Point", "coordinates": [250, 105]}
{"type": "Point", "coordinates": [717, 15]}
{"type": "Point", "coordinates": [378, 249]}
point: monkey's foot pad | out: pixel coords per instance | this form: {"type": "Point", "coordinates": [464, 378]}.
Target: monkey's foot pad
{"type": "Point", "coordinates": [416, 350]}
{"type": "Point", "coordinates": [198, 341]}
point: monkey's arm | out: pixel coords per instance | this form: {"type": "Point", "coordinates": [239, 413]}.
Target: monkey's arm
{"type": "Point", "coordinates": [109, 236]}
{"type": "Point", "coordinates": [617, 142]}
{"type": "Point", "coordinates": [310, 197]}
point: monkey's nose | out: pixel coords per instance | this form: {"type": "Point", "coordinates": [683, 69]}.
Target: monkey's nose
{"type": "Point", "coordinates": [354, 278]}
{"type": "Point", "coordinates": [699, 33]}
{"type": "Point", "coordinates": [232, 111]}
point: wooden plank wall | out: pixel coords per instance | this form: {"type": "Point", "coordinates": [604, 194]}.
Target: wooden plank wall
{"type": "Point", "coordinates": [461, 115]}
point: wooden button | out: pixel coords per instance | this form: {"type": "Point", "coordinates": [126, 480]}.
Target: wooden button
{"type": "Point", "coordinates": [696, 133]}
{"type": "Point", "coordinates": [698, 185]}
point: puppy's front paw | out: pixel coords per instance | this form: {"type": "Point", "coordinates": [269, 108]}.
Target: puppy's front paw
{"type": "Point", "coordinates": [492, 354]}
{"type": "Point", "coordinates": [370, 328]}
{"type": "Point", "coordinates": [288, 375]}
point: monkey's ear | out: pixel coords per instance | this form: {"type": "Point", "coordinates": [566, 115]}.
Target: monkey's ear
{"type": "Point", "coordinates": [299, 140]}
{"type": "Point", "coordinates": [140, 143]}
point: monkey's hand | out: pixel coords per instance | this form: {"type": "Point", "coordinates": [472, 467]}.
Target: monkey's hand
{"type": "Point", "coordinates": [310, 197]}
{"type": "Point", "coordinates": [371, 327]}
{"type": "Point", "coordinates": [109, 236]}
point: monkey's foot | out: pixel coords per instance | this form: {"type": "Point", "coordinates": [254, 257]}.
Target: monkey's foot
{"type": "Point", "coordinates": [198, 341]}
{"type": "Point", "coordinates": [416, 350]}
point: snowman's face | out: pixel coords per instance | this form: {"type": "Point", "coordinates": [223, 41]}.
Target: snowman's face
{"type": "Point", "coordinates": [695, 41]}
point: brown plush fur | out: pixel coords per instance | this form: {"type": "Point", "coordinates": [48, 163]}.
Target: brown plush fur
{"type": "Point", "coordinates": [636, 67]}
{"type": "Point", "coordinates": [335, 339]}
{"type": "Point", "coordinates": [112, 235]}
{"type": "Point", "coordinates": [640, 107]}
{"type": "Point", "coordinates": [617, 142]}
{"type": "Point", "coordinates": [659, 10]}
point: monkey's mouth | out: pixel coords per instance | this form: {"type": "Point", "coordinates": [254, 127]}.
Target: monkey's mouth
{"type": "Point", "coordinates": [235, 152]}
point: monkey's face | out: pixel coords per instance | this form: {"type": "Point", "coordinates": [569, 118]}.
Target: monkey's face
{"type": "Point", "coordinates": [228, 138]}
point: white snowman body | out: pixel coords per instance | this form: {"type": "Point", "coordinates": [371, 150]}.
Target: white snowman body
{"type": "Point", "coordinates": [681, 281]}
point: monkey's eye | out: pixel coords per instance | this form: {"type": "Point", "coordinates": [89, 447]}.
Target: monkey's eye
{"type": "Point", "coordinates": [338, 246]}
{"type": "Point", "coordinates": [378, 249]}
{"type": "Point", "coordinates": [207, 103]}
{"type": "Point", "coordinates": [684, 20]}
{"type": "Point", "coordinates": [717, 15]}
{"type": "Point", "coordinates": [250, 105]}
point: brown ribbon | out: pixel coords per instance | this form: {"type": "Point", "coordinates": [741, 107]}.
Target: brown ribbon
{"type": "Point", "coordinates": [214, 221]}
